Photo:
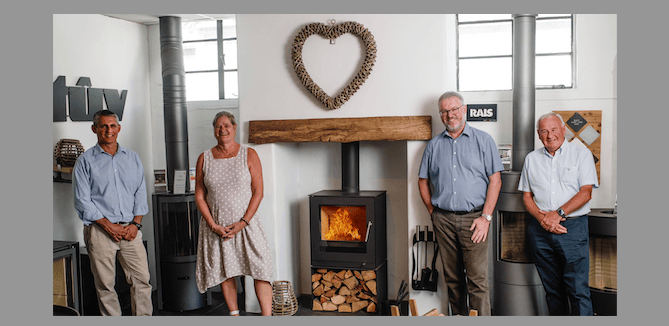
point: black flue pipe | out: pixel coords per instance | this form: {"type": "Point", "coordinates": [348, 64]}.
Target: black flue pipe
{"type": "Point", "coordinates": [350, 167]}
{"type": "Point", "coordinates": [174, 99]}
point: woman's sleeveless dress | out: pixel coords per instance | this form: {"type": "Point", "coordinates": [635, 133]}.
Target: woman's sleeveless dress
{"type": "Point", "coordinates": [228, 183]}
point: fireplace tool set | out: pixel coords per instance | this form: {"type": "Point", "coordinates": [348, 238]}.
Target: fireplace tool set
{"type": "Point", "coordinates": [427, 280]}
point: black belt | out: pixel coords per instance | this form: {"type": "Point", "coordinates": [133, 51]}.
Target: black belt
{"type": "Point", "coordinates": [476, 209]}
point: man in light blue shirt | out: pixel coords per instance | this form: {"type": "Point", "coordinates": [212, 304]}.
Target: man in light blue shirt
{"type": "Point", "coordinates": [110, 198]}
{"type": "Point", "coordinates": [459, 182]}
{"type": "Point", "coordinates": [557, 182]}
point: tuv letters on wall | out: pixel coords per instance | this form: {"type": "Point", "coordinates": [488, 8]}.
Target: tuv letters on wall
{"type": "Point", "coordinates": [82, 97]}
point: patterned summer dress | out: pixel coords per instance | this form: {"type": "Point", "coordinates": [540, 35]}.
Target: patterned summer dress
{"type": "Point", "coordinates": [228, 183]}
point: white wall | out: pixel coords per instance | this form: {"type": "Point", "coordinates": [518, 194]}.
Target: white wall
{"type": "Point", "coordinates": [114, 54]}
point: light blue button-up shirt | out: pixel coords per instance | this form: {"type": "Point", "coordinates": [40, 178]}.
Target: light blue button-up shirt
{"type": "Point", "coordinates": [554, 180]}
{"type": "Point", "coordinates": [458, 169]}
{"type": "Point", "coordinates": [109, 186]}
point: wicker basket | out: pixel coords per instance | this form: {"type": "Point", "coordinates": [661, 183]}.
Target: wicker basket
{"type": "Point", "coordinates": [284, 302]}
{"type": "Point", "coordinates": [67, 151]}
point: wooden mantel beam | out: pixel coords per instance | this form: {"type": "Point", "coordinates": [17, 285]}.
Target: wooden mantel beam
{"type": "Point", "coordinates": [343, 130]}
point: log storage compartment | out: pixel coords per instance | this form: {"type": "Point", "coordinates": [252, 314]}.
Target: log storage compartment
{"type": "Point", "coordinates": [348, 290]}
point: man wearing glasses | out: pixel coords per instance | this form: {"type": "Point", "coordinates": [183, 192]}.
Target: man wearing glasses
{"type": "Point", "coordinates": [459, 183]}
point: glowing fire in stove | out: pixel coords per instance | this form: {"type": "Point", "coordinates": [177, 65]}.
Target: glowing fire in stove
{"type": "Point", "coordinates": [342, 223]}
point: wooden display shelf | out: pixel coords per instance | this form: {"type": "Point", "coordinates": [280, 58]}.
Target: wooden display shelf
{"type": "Point", "coordinates": [65, 169]}
{"type": "Point", "coordinates": [59, 176]}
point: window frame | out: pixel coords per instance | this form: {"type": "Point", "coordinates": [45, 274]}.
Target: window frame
{"type": "Point", "coordinates": [542, 87]}
{"type": "Point", "coordinates": [221, 55]}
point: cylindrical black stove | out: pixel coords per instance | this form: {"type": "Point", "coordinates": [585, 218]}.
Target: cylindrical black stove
{"type": "Point", "coordinates": [518, 290]}
{"type": "Point", "coordinates": [602, 224]}
{"type": "Point", "coordinates": [176, 226]}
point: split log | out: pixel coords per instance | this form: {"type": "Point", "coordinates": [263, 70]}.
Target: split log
{"type": "Point", "coordinates": [344, 291]}
{"type": "Point", "coordinates": [351, 282]}
{"type": "Point", "coordinates": [314, 285]}
{"type": "Point", "coordinates": [337, 284]}
{"type": "Point", "coordinates": [358, 305]}
{"type": "Point", "coordinates": [319, 290]}
{"type": "Point", "coordinates": [368, 275]}
{"type": "Point", "coordinates": [338, 299]}
{"type": "Point", "coordinates": [363, 295]}
{"type": "Point", "coordinates": [328, 276]}
{"type": "Point", "coordinates": [372, 286]}
{"type": "Point", "coordinates": [316, 277]}
{"type": "Point", "coordinates": [371, 307]}
{"type": "Point", "coordinates": [329, 306]}
{"type": "Point", "coordinates": [348, 274]}
{"type": "Point", "coordinates": [330, 293]}
{"type": "Point", "coordinates": [341, 274]}
{"type": "Point", "coordinates": [344, 308]}
{"type": "Point", "coordinates": [326, 283]}
{"type": "Point", "coordinates": [351, 299]}
{"type": "Point", "coordinates": [322, 270]}
{"type": "Point", "coordinates": [358, 275]}
{"type": "Point", "coordinates": [317, 306]}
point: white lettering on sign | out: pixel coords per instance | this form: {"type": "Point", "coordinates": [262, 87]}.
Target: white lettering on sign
{"type": "Point", "coordinates": [481, 113]}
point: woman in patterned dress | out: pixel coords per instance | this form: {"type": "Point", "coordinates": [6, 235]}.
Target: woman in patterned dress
{"type": "Point", "coordinates": [232, 241]}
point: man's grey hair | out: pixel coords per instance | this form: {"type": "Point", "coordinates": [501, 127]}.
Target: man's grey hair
{"type": "Point", "coordinates": [548, 115]}
{"type": "Point", "coordinates": [224, 114]}
{"type": "Point", "coordinates": [449, 95]}
{"type": "Point", "coordinates": [103, 113]}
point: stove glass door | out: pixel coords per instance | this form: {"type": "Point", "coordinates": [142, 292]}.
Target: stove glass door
{"type": "Point", "coordinates": [344, 228]}
{"type": "Point", "coordinates": [513, 238]}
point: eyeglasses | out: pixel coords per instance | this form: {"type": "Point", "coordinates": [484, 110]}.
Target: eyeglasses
{"type": "Point", "coordinates": [451, 111]}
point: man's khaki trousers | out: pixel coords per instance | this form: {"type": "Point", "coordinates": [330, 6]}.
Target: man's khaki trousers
{"type": "Point", "coordinates": [102, 250]}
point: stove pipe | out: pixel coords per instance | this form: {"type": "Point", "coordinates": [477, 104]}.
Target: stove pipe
{"type": "Point", "coordinates": [174, 99]}
{"type": "Point", "coordinates": [524, 30]}
{"type": "Point", "coordinates": [517, 289]}
{"type": "Point", "coordinates": [350, 167]}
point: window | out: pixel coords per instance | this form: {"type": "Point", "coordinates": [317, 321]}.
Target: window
{"type": "Point", "coordinates": [210, 59]}
{"type": "Point", "coordinates": [485, 45]}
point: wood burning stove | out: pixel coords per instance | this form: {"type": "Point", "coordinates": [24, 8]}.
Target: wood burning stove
{"type": "Point", "coordinates": [602, 223]}
{"type": "Point", "coordinates": [348, 238]}
{"type": "Point", "coordinates": [517, 287]}
{"type": "Point", "coordinates": [348, 230]}
{"type": "Point", "coordinates": [177, 222]}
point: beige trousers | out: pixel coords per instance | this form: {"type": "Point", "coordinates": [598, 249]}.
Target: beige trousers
{"type": "Point", "coordinates": [102, 250]}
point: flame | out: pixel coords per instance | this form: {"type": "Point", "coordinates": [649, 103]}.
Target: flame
{"type": "Point", "coordinates": [340, 227]}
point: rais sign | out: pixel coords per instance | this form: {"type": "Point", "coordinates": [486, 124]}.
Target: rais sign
{"type": "Point", "coordinates": [84, 101]}
{"type": "Point", "coordinates": [482, 112]}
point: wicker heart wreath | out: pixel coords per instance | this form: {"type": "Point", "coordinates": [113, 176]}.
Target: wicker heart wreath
{"type": "Point", "coordinates": [332, 32]}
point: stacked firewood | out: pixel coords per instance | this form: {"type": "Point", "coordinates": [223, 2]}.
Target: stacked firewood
{"type": "Point", "coordinates": [344, 290]}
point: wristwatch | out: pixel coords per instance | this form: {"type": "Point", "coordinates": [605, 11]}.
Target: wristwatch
{"type": "Point", "coordinates": [139, 226]}
{"type": "Point", "coordinates": [487, 217]}
{"type": "Point", "coordinates": [560, 212]}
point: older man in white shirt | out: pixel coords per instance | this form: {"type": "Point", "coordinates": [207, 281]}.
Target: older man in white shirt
{"type": "Point", "coordinates": [557, 182]}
